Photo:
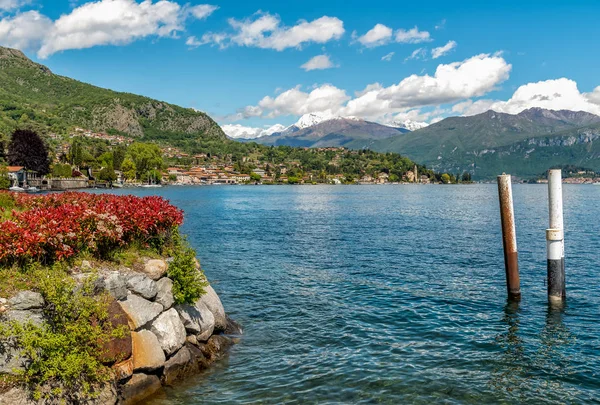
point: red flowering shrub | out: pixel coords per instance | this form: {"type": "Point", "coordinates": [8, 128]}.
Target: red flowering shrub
{"type": "Point", "coordinates": [57, 226]}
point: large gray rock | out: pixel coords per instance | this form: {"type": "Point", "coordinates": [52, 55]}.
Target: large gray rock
{"type": "Point", "coordinates": [139, 310]}
{"type": "Point", "coordinates": [34, 316]}
{"type": "Point", "coordinates": [142, 285]}
{"type": "Point", "coordinates": [213, 302]}
{"type": "Point", "coordinates": [11, 361]}
{"type": "Point", "coordinates": [138, 388]}
{"type": "Point", "coordinates": [147, 353]}
{"type": "Point", "coordinates": [169, 330]}
{"type": "Point", "coordinates": [155, 269]}
{"type": "Point", "coordinates": [165, 293]}
{"type": "Point", "coordinates": [179, 366]}
{"type": "Point", "coordinates": [197, 320]}
{"type": "Point", "coordinates": [115, 284]}
{"type": "Point", "coordinates": [26, 300]}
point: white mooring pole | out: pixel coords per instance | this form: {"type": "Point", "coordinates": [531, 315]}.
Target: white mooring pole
{"type": "Point", "coordinates": [555, 238]}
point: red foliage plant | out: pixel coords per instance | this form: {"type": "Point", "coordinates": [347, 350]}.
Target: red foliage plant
{"type": "Point", "coordinates": [54, 227]}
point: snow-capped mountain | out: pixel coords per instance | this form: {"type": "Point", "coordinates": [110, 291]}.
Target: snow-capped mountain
{"type": "Point", "coordinates": [409, 124]}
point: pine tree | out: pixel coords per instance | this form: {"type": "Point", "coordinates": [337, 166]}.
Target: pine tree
{"type": "Point", "coordinates": [27, 149]}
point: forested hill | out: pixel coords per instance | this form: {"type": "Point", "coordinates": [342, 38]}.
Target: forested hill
{"type": "Point", "coordinates": [30, 93]}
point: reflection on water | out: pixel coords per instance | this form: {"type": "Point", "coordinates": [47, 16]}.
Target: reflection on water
{"type": "Point", "coordinates": [519, 372]}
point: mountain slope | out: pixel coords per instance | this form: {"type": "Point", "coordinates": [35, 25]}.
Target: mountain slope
{"type": "Point", "coordinates": [310, 131]}
{"type": "Point", "coordinates": [481, 143]}
{"type": "Point", "coordinates": [31, 92]}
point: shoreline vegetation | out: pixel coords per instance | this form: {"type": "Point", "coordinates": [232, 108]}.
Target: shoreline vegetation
{"type": "Point", "coordinates": [102, 301]}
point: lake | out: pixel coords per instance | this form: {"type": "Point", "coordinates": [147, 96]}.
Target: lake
{"type": "Point", "coordinates": [392, 294]}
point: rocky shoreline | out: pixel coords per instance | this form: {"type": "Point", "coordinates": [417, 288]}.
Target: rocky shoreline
{"type": "Point", "coordinates": [166, 342]}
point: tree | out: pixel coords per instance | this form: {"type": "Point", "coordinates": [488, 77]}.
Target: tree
{"type": "Point", "coordinates": [118, 156]}
{"type": "Point", "coordinates": [4, 180]}
{"type": "Point", "coordinates": [146, 157]}
{"type": "Point", "coordinates": [27, 149]}
{"type": "Point", "coordinates": [445, 178]}
{"type": "Point", "coordinates": [255, 177]}
{"type": "Point", "coordinates": [60, 170]}
{"type": "Point", "coordinates": [466, 177]}
{"type": "Point", "coordinates": [107, 174]}
{"type": "Point", "coordinates": [129, 169]}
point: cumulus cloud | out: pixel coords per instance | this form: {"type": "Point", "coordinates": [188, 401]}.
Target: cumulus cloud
{"type": "Point", "coordinates": [318, 62]}
{"type": "Point", "coordinates": [241, 131]}
{"type": "Point", "coordinates": [388, 57]}
{"type": "Point", "coordinates": [376, 36]}
{"type": "Point", "coordinates": [103, 22]}
{"type": "Point", "coordinates": [25, 30]}
{"type": "Point", "coordinates": [452, 82]}
{"type": "Point", "coordinates": [325, 98]}
{"type": "Point", "coordinates": [381, 35]}
{"type": "Point", "coordinates": [443, 50]}
{"type": "Point", "coordinates": [412, 36]}
{"type": "Point", "coordinates": [202, 11]}
{"type": "Point", "coordinates": [7, 5]}
{"type": "Point", "coordinates": [264, 30]}
{"type": "Point", "coordinates": [558, 94]}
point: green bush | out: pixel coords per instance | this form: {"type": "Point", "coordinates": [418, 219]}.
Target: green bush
{"type": "Point", "coordinates": [188, 281]}
{"type": "Point", "coordinates": [4, 180]}
{"type": "Point", "coordinates": [65, 354]}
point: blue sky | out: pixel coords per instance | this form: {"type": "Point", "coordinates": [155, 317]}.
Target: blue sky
{"type": "Point", "coordinates": [242, 61]}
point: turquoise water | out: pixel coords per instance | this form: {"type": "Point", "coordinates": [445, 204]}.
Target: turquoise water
{"type": "Point", "coordinates": [393, 294]}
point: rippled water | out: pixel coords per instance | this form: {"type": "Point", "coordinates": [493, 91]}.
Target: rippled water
{"type": "Point", "coordinates": [393, 294]}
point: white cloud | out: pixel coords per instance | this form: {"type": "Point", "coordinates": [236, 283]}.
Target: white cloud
{"type": "Point", "coordinates": [381, 35]}
{"type": "Point", "coordinates": [202, 11]}
{"type": "Point", "coordinates": [388, 57]}
{"type": "Point", "coordinates": [418, 53]}
{"type": "Point", "coordinates": [13, 4]}
{"type": "Point", "coordinates": [441, 25]}
{"type": "Point", "coordinates": [318, 62]}
{"type": "Point", "coordinates": [412, 36]}
{"type": "Point", "coordinates": [240, 131]}
{"type": "Point", "coordinates": [558, 94]}
{"type": "Point", "coordinates": [265, 31]}
{"type": "Point", "coordinates": [443, 50]}
{"type": "Point", "coordinates": [25, 30]}
{"type": "Point", "coordinates": [103, 22]}
{"type": "Point", "coordinates": [112, 22]}
{"type": "Point", "coordinates": [326, 98]}
{"type": "Point", "coordinates": [452, 82]}
{"type": "Point", "coordinates": [376, 36]}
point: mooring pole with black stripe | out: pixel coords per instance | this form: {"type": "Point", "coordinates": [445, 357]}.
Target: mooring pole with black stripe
{"type": "Point", "coordinates": [555, 239]}
{"type": "Point", "coordinates": [509, 236]}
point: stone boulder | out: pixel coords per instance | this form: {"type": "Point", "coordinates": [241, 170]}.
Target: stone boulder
{"type": "Point", "coordinates": [142, 285]}
{"type": "Point", "coordinates": [138, 388]}
{"type": "Point", "coordinates": [148, 355]}
{"type": "Point", "coordinates": [213, 302]}
{"type": "Point", "coordinates": [165, 293]}
{"type": "Point", "coordinates": [25, 300]}
{"type": "Point", "coordinates": [197, 320]}
{"type": "Point", "coordinates": [11, 361]}
{"type": "Point", "coordinates": [179, 366]}
{"type": "Point", "coordinates": [233, 328]}
{"type": "Point", "coordinates": [216, 347]}
{"type": "Point", "coordinates": [139, 310]}
{"type": "Point", "coordinates": [118, 348]}
{"type": "Point", "coordinates": [35, 316]}
{"type": "Point", "coordinates": [124, 369]}
{"type": "Point", "coordinates": [115, 284]}
{"type": "Point", "coordinates": [169, 330]}
{"type": "Point", "coordinates": [155, 269]}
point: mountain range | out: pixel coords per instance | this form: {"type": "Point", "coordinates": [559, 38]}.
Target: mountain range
{"type": "Point", "coordinates": [524, 144]}
{"type": "Point", "coordinates": [320, 130]}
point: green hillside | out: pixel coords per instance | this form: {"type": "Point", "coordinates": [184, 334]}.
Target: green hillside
{"type": "Point", "coordinates": [31, 94]}
{"type": "Point", "coordinates": [525, 144]}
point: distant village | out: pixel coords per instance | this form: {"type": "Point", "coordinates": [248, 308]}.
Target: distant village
{"type": "Point", "coordinates": [207, 170]}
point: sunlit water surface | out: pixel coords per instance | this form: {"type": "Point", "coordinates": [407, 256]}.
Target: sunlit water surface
{"type": "Point", "coordinates": [392, 294]}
